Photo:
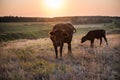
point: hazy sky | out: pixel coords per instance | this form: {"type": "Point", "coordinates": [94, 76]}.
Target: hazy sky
{"type": "Point", "coordinates": [40, 8]}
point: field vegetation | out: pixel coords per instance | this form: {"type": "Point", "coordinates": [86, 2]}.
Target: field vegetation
{"type": "Point", "coordinates": [29, 55]}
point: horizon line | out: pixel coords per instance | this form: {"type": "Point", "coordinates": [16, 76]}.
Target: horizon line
{"type": "Point", "coordinates": [61, 16]}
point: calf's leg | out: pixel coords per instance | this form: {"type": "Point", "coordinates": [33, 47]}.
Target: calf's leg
{"type": "Point", "coordinates": [105, 40]}
{"type": "Point", "coordinates": [92, 43]}
{"type": "Point", "coordinates": [100, 41]}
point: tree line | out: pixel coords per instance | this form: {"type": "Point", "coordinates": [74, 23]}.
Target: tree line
{"type": "Point", "coordinates": [72, 19]}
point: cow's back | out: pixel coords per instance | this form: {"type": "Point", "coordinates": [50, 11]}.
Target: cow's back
{"type": "Point", "coordinates": [63, 27]}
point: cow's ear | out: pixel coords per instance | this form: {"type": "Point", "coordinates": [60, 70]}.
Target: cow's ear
{"type": "Point", "coordinates": [51, 33]}
{"type": "Point", "coordinates": [65, 34]}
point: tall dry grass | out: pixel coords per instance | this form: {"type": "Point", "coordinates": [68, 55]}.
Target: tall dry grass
{"type": "Point", "coordinates": [35, 60]}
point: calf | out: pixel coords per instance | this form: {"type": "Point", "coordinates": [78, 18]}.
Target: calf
{"type": "Point", "coordinates": [62, 33]}
{"type": "Point", "coordinates": [91, 35]}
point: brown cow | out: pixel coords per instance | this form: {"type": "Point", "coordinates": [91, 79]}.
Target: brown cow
{"type": "Point", "coordinates": [91, 35]}
{"type": "Point", "coordinates": [62, 33]}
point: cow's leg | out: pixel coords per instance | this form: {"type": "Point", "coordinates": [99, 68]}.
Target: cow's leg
{"type": "Point", "coordinates": [61, 47]}
{"type": "Point", "coordinates": [105, 40]}
{"type": "Point", "coordinates": [100, 41]}
{"type": "Point", "coordinates": [56, 51]}
{"type": "Point", "coordinates": [69, 48]}
{"type": "Point", "coordinates": [92, 43]}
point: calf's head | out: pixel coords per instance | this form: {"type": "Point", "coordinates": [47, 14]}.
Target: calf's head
{"type": "Point", "coordinates": [83, 39]}
{"type": "Point", "coordinates": [58, 37]}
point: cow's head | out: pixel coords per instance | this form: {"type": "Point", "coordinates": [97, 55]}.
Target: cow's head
{"type": "Point", "coordinates": [58, 36]}
{"type": "Point", "coordinates": [83, 39]}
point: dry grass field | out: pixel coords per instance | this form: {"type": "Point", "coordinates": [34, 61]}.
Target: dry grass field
{"type": "Point", "coordinates": [35, 60]}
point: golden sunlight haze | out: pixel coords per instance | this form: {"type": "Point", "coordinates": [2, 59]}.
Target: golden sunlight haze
{"type": "Point", "coordinates": [52, 8]}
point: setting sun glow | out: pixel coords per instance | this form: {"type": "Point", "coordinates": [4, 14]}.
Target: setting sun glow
{"type": "Point", "coordinates": [59, 8]}
{"type": "Point", "coordinates": [53, 4]}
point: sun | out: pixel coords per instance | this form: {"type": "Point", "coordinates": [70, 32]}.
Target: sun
{"type": "Point", "coordinates": [53, 4]}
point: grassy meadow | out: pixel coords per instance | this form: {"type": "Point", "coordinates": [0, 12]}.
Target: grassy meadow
{"type": "Point", "coordinates": [35, 30]}
{"type": "Point", "coordinates": [23, 30]}
{"type": "Point", "coordinates": [26, 53]}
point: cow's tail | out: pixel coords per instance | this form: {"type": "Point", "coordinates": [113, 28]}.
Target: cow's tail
{"type": "Point", "coordinates": [74, 30]}
{"type": "Point", "coordinates": [73, 27]}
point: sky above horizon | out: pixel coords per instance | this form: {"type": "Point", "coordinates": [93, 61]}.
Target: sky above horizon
{"type": "Point", "coordinates": [55, 8]}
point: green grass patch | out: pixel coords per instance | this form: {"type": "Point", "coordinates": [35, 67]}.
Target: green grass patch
{"type": "Point", "coordinates": [34, 30]}
{"type": "Point", "coordinates": [12, 31]}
